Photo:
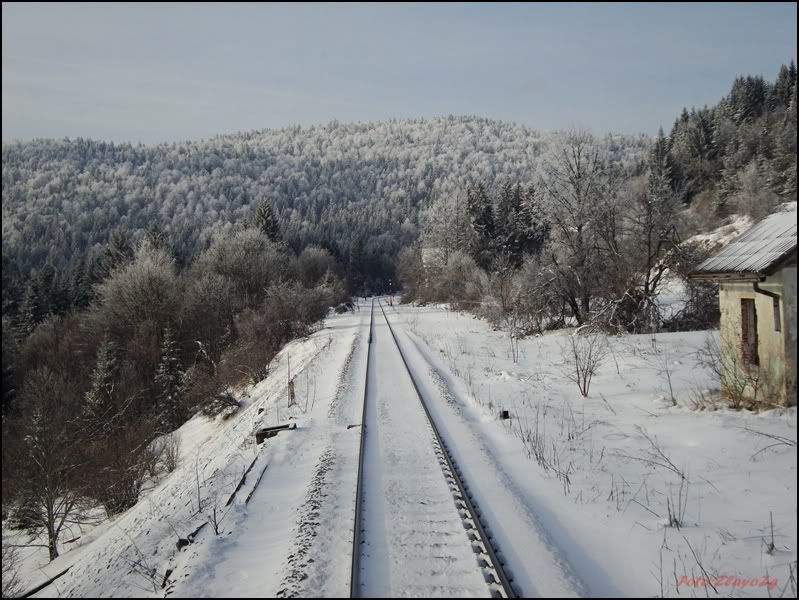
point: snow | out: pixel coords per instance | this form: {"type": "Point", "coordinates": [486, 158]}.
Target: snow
{"type": "Point", "coordinates": [759, 248]}
{"type": "Point", "coordinates": [304, 466]}
{"type": "Point", "coordinates": [724, 234]}
{"type": "Point", "coordinates": [672, 296]}
{"type": "Point", "coordinates": [589, 516]}
{"type": "Point", "coordinates": [604, 520]}
{"type": "Point", "coordinates": [414, 543]}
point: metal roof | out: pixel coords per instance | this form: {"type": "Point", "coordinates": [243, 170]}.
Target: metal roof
{"type": "Point", "coordinates": [758, 249]}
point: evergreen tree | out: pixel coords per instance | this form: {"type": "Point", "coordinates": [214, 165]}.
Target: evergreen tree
{"type": "Point", "coordinates": [11, 287]}
{"type": "Point", "coordinates": [99, 398]}
{"type": "Point", "coordinates": [9, 369]}
{"type": "Point", "coordinates": [117, 252]}
{"type": "Point", "coordinates": [31, 310]}
{"type": "Point", "coordinates": [170, 384]}
{"type": "Point", "coordinates": [45, 279]}
{"type": "Point", "coordinates": [533, 226]}
{"type": "Point", "coordinates": [59, 296]}
{"type": "Point", "coordinates": [265, 221]}
{"type": "Point", "coordinates": [481, 215]}
{"type": "Point", "coordinates": [35, 305]}
{"type": "Point", "coordinates": [785, 153]}
{"type": "Point", "coordinates": [748, 98]}
{"type": "Point", "coordinates": [507, 225]}
{"type": "Point", "coordinates": [783, 87]}
{"type": "Point", "coordinates": [356, 258]}
{"type": "Point", "coordinates": [79, 287]}
{"type": "Point", "coordinates": [519, 229]}
{"type": "Point", "coordinates": [504, 213]}
{"type": "Point", "coordinates": [694, 152]}
{"type": "Point", "coordinates": [660, 169]}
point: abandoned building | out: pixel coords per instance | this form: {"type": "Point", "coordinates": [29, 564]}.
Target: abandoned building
{"type": "Point", "coordinates": [756, 274]}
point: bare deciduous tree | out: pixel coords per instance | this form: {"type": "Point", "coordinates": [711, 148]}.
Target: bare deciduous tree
{"type": "Point", "coordinates": [12, 582]}
{"type": "Point", "coordinates": [50, 457]}
{"type": "Point", "coordinates": [576, 181]}
{"type": "Point", "coordinates": [583, 355]}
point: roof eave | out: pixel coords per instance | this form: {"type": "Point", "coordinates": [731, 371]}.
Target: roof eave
{"type": "Point", "coordinates": [728, 276]}
{"type": "Point", "coordinates": [781, 261]}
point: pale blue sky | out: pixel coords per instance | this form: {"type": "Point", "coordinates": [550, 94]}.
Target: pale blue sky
{"type": "Point", "coordinates": [161, 72]}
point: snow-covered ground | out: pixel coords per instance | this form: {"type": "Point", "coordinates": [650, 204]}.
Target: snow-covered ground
{"type": "Point", "coordinates": [577, 492]}
{"type": "Point", "coordinates": [414, 543]}
{"type": "Point", "coordinates": [732, 227]}
{"type": "Point", "coordinates": [613, 466]}
{"type": "Point", "coordinates": [294, 535]}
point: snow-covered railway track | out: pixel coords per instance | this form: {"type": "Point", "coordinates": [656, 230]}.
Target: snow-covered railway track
{"type": "Point", "coordinates": [356, 529]}
{"type": "Point", "coordinates": [417, 531]}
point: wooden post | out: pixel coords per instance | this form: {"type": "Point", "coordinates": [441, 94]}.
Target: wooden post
{"type": "Point", "coordinates": [289, 384]}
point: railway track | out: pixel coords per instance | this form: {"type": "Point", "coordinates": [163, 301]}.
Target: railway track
{"type": "Point", "coordinates": [441, 522]}
{"type": "Point", "coordinates": [356, 533]}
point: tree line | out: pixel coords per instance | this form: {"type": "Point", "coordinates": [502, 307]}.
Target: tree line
{"type": "Point", "coordinates": [352, 189]}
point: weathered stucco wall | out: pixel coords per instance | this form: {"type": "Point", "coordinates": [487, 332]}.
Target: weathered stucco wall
{"type": "Point", "coordinates": [776, 349]}
{"type": "Point", "coordinates": [789, 298]}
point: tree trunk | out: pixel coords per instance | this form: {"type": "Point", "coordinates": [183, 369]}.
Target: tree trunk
{"type": "Point", "coordinates": [585, 305]}
{"type": "Point", "coordinates": [52, 548]}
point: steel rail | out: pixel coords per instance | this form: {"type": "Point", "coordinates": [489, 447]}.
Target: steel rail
{"type": "Point", "coordinates": [356, 531]}
{"type": "Point", "coordinates": [464, 498]}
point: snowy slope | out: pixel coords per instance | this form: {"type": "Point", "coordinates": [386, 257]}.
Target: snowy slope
{"type": "Point", "coordinates": [274, 544]}
{"type": "Point", "coordinates": [131, 557]}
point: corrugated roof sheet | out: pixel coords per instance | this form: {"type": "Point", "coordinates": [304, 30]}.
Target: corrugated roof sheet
{"type": "Point", "coordinates": [757, 249]}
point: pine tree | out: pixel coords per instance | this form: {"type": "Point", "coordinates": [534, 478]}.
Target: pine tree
{"type": "Point", "coordinates": [783, 87]}
{"type": "Point", "coordinates": [99, 398]}
{"type": "Point", "coordinates": [35, 305]}
{"type": "Point", "coordinates": [660, 168]}
{"type": "Point", "coordinates": [79, 287]}
{"type": "Point", "coordinates": [786, 152]}
{"type": "Point", "coordinates": [517, 233]}
{"type": "Point", "coordinates": [534, 228]}
{"type": "Point", "coordinates": [481, 214]}
{"type": "Point", "coordinates": [264, 220]}
{"type": "Point", "coordinates": [748, 98]}
{"type": "Point", "coordinates": [503, 214]}
{"type": "Point", "coordinates": [118, 251]}
{"type": "Point", "coordinates": [507, 226]}
{"type": "Point", "coordinates": [59, 297]}
{"type": "Point", "coordinates": [729, 184]}
{"type": "Point", "coordinates": [11, 287]}
{"type": "Point", "coordinates": [31, 310]}
{"type": "Point", "coordinates": [9, 369]}
{"type": "Point", "coordinates": [169, 381]}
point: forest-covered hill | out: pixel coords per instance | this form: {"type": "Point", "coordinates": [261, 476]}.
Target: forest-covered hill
{"type": "Point", "coordinates": [354, 189]}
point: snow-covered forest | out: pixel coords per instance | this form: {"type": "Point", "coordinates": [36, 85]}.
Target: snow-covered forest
{"type": "Point", "coordinates": [594, 235]}
{"type": "Point", "coordinates": [354, 189]}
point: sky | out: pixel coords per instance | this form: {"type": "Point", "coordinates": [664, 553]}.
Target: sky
{"type": "Point", "coordinates": [160, 73]}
